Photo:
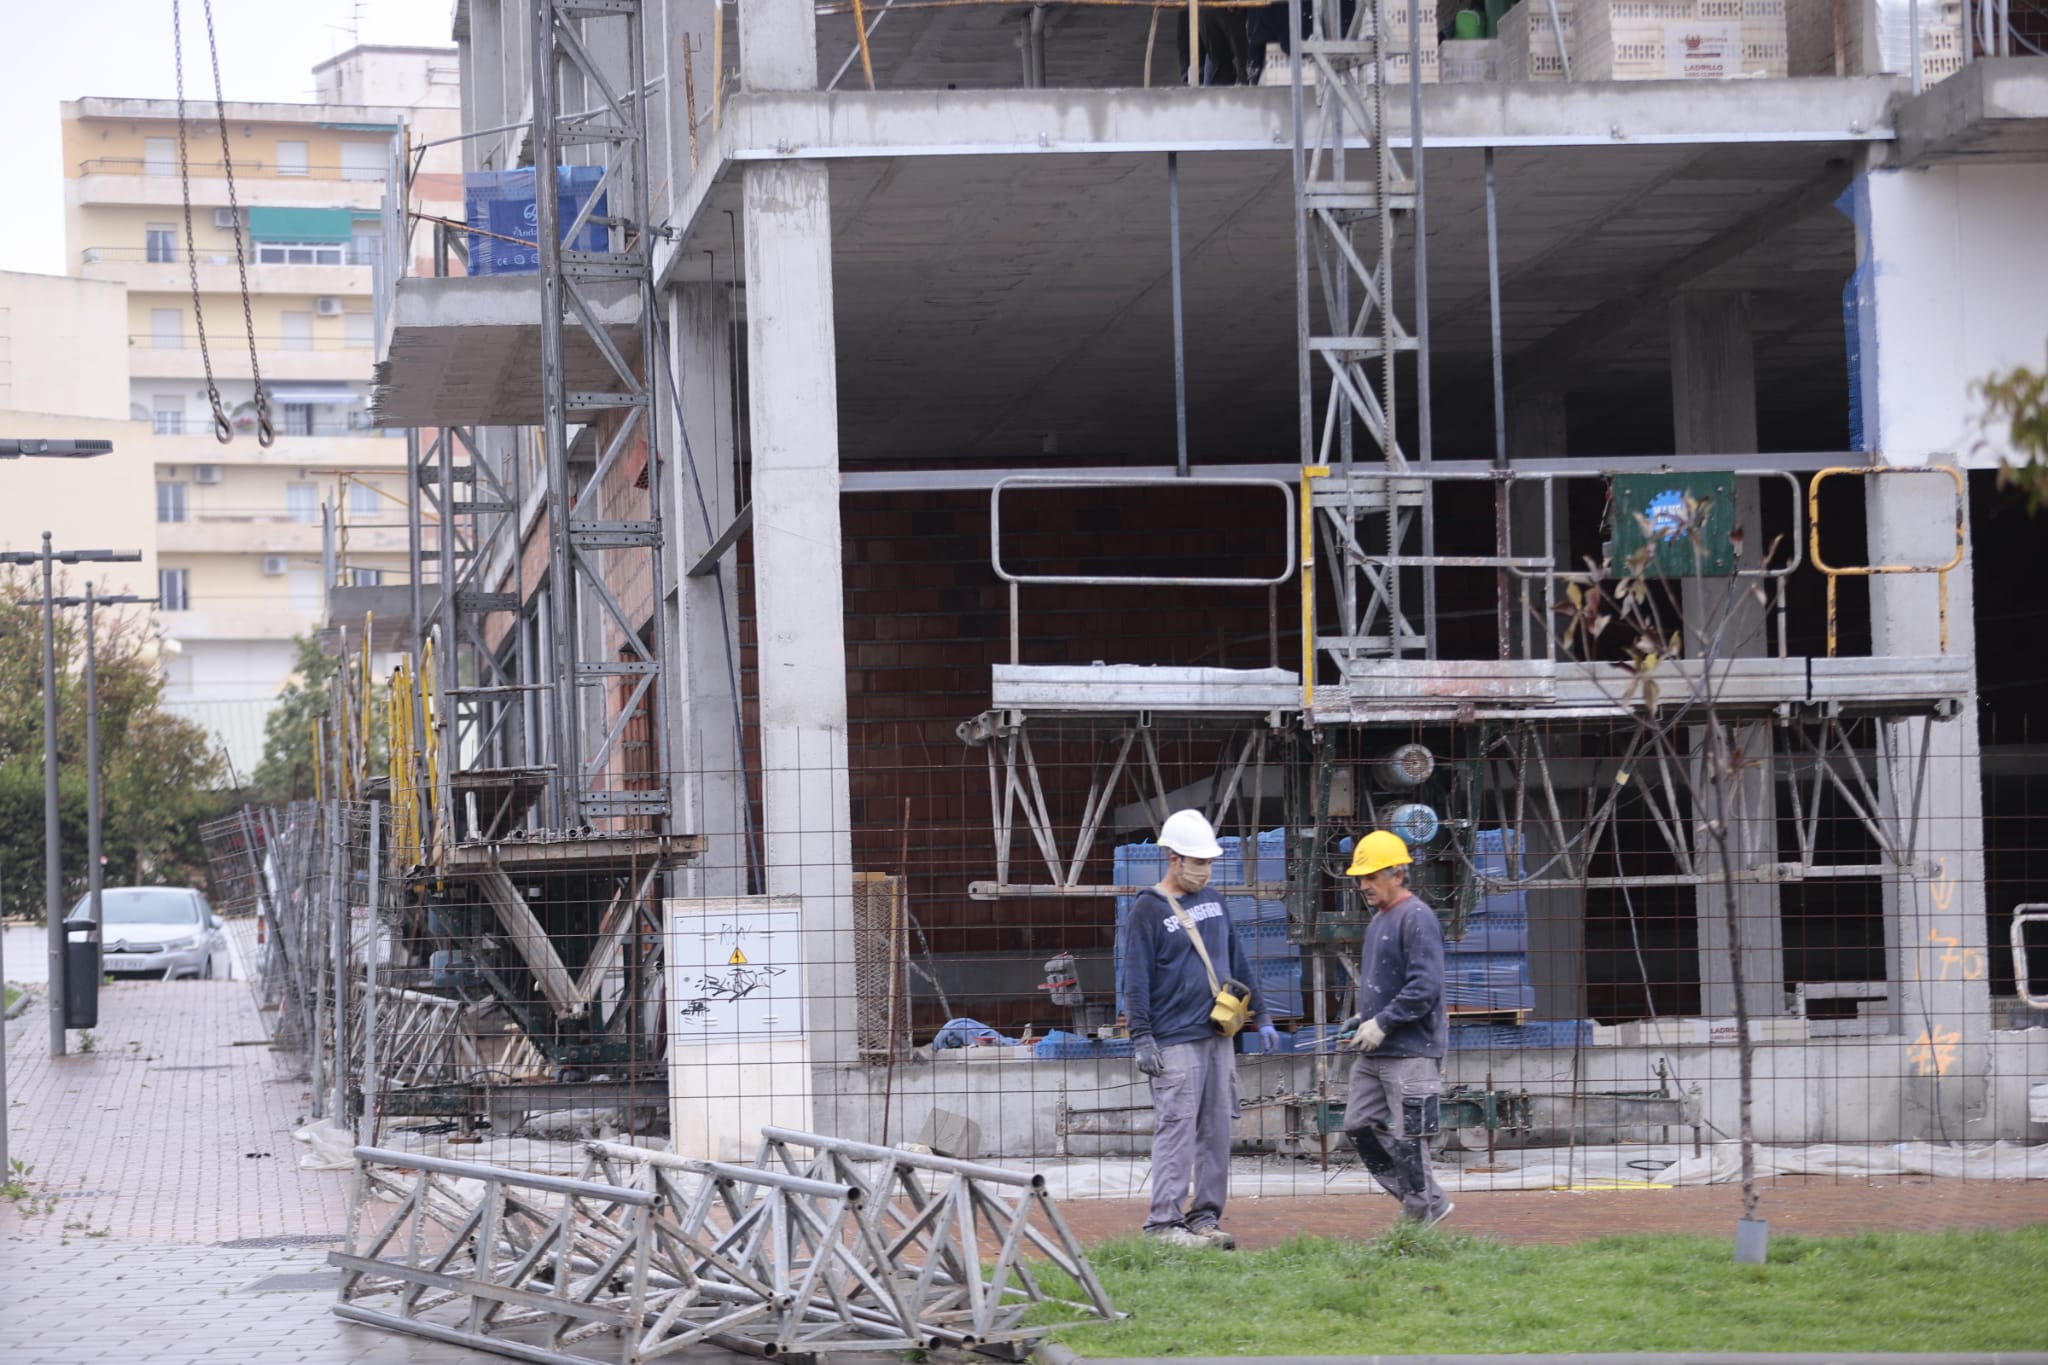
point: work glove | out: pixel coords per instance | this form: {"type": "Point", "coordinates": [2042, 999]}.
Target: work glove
{"type": "Point", "coordinates": [1269, 1038]}
{"type": "Point", "coordinates": [1348, 1030]}
{"type": "Point", "coordinates": [1148, 1056]}
{"type": "Point", "coordinates": [1369, 1036]}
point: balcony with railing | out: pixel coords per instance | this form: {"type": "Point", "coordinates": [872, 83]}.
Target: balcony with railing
{"type": "Point", "coordinates": [163, 355]}
{"type": "Point", "coordinates": [107, 180]}
{"type": "Point", "coordinates": [268, 531]}
{"type": "Point", "coordinates": [187, 439]}
{"type": "Point", "coordinates": [322, 269]}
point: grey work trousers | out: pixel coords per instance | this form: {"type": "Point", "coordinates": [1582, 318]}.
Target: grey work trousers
{"type": "Point", "coordinates": [1390, 1114]}
{"type": "Point", "coordinates": [1193, 1102]}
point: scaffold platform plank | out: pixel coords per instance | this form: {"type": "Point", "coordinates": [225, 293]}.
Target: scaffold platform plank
{"type": "Point", "coordinates": [1097, 689]}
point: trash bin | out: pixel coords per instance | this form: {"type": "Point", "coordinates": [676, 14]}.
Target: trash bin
{"type": "Point", "coordinates": [81, 973]}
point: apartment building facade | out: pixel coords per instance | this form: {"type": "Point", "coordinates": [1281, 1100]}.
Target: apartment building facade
{"type": "Point", "coordinates": [250, 536]}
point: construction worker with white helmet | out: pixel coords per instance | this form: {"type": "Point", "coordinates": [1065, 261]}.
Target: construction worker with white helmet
{"type": "Point", "coordinates": [1185, 1000]}
{"type": "Point", "coordinates": [1399, 1032]}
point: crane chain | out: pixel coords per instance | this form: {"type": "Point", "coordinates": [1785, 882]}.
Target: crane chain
{"type": "Point", "coordinates": [266, 434]}
{"type": "Point", "coordinates": [223, 430]}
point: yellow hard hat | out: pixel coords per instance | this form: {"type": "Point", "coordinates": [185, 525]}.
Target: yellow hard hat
{"type": "Point", "coordinates": [1376, 852]}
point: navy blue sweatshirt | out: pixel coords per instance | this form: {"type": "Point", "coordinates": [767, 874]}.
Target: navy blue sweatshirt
{"type": "Point", "coordinates": [1166, 990]}
{"type": "Point", "coordinates": [1401, 979]}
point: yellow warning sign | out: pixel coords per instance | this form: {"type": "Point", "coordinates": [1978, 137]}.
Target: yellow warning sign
{"type": "Point", "coordinates": [738, 959]}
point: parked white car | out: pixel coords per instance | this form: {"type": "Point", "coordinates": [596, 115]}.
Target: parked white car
{"type": "Point", "coordinates": [163, 931]}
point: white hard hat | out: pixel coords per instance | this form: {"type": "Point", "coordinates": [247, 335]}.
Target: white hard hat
{"type": "Point", "coordinates": [1188, 834]}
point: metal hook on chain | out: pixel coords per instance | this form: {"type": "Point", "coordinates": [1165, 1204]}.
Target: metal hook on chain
{"type": "Point", "coordinates": [223, 429]}
{"type": "Point", "coordinates": [266, 434]}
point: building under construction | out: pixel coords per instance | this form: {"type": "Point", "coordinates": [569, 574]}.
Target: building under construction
{"type": "Point", "coordinates": [920, 445]}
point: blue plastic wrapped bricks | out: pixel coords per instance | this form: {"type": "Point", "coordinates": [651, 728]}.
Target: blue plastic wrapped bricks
{"type": "Point", "coordinates": [1499, 923]}
{"type": "Point", "coordinates": [1260, 925]}
{"type": "Point", "coordinates": [1557, 1033]}
{"type": "Point", "coordinates": [1061, 1046]}
{"type": "Point", "coordinates": [499, 208]}
{"type": "Point", "coordinates": [1488, 981]}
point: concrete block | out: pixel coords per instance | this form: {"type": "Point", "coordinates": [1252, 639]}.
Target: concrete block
{"type": "Point", "coordinates": [1664, 1033]}
{"type": "Point", "coordinates": [951, 1134]}
{"type": "Point", "coordinates": [1760, 1030]}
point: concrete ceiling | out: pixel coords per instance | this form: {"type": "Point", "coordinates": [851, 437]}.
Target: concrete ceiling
{"type": "Point", "coordinates": [992, 308]}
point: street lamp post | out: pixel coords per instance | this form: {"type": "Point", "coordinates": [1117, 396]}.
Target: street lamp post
{"type": "Point", "coordinates": [53, 862]}
{"type": "Point", "coordinates": [95, 873]}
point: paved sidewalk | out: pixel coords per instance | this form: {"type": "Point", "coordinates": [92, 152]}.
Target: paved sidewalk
{"type": "Point", "coordinates": [176, 1127]}
{"type": "Point", "coordinates": [168, 1219]}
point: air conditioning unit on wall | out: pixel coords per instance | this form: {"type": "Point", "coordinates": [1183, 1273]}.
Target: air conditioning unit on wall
{"type": "Point", "coordinates": [224, 218]}
{"type": "Point", "coordinates": [206, 473]}
{"type": "Point", "coordinates": [275, 566]}
{"type": "Point", "coordinates": [327, 307]}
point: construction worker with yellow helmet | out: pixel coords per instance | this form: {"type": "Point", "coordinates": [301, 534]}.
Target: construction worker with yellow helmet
{"type": "Point", "coordinates": [1399, 1033]}
{"type": "Point", "coordinates": [1185, 1000]}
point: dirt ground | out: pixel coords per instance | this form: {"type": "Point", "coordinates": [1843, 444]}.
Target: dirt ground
{"type": "Point", "coordinates": [1805, 1206]}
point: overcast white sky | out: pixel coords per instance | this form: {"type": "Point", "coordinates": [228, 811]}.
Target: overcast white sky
{"type": "Point", "coordinates": [51, 52]}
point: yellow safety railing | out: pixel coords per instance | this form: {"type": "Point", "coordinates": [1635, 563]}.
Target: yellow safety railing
{"type": "Point", "coordinates": [1838, 571]}
{"type": "Point", "coordinates": [1308, 583]}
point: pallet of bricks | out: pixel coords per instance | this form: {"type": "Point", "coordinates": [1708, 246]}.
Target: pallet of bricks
{"type": "Point", "coordinates": [1486, 968]}
{"type": "Point", "coordinates": [1671, 40]}
{"type": "Point", "coordinates": [1528, 48]}
{"type": "Point", "coordinates": [1396, 46]}
{"type": "Point", "coordinates": [1644, 40]}
{"type": "Point", "coordinates": [1875, 38]}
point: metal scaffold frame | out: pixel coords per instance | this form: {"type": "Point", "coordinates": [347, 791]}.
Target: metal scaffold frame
{"type": "Point", "coordinates": [473, 504]}
{"type": "Point", "coordinates": [594, 548]}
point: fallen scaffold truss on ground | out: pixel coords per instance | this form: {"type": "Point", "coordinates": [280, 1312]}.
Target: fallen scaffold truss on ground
{"type": "Point", "coordinates": [820, 1246]}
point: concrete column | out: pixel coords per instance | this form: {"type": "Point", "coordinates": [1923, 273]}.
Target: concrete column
{"type": "Point", "coordinates": [778, 45]}
{"type": "Point", "coordinates": [700, 501]}
{"type": "Point", "coordinates": [1937, 953]}
{"type": "Point", "coordinates": [1931, 246]}
{"type": "Point", "coordinates": [1713, 400]}
{"type": "Point", "coordinates": [793, 401]}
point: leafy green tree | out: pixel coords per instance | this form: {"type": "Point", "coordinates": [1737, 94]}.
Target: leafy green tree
{"type": "Point", "coordinates": [2019, 397]}
{"type": "Point", "coordinates": [159, 774]}
{"type": "Point", "coordinates": [286, 771]}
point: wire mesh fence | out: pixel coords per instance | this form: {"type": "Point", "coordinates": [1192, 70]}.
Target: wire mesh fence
{"type": "Point", "coordinates": [551, 987]}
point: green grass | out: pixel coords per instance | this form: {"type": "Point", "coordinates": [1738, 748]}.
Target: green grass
{"type": "Point", "coordinates": [12, 995]}
{"type": "Point", "coordinates": [1426, 1292]}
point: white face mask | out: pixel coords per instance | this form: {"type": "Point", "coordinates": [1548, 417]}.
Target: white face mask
{"type": "Point", "coordinates": [1193, 876]}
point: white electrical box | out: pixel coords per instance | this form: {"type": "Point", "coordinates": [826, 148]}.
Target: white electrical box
{"type": "Point", "coordinates": [738, 1054]}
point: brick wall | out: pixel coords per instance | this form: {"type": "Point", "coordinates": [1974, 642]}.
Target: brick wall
{"type": "Point", "coordinates": [926, 617]}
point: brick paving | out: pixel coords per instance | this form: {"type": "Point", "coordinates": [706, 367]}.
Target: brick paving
{"type": "Point", "coordinates": [175, 1128]}
{"type": "Point", "coordinates": [153, 1233]}
{"type": "Point", "coordinates": [1800, 1206]}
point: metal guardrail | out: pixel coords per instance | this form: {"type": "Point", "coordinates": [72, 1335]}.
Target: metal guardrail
{"type": "Point", "coordinates": [2022, 916]}
{"type": "Point", "coordinates": [1836, 572]}
{"type": "Point", "coordinates": [1036, 481]}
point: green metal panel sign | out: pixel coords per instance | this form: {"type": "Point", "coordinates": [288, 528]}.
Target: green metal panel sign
{"type": "Point", "coordinates": [1684, 519]}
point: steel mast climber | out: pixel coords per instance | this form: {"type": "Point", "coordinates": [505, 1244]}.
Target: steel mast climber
{"type": "Point", "coordinates": [1346, 202]}
{"type": "Point", "coordinates": [605, 532]}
